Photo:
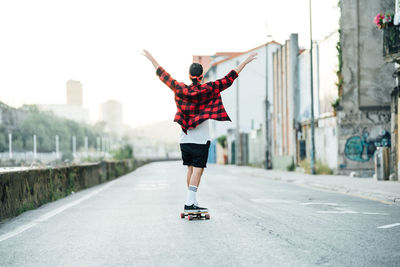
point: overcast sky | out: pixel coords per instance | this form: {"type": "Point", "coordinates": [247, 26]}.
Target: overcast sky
{"type": "Point", "coordinates": [45, 43]}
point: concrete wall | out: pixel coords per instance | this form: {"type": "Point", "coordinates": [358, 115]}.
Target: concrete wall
{"type": "Point", "coordinates": [326, 141]}
{"type": "Point", "coordinates": [325, 66]}
{"type": "Point", "coordinates": [24, 190]}
{"type": "Point", "coordinates": [256, 149]}
{"type": "Point", "coordinates": [367, 85]}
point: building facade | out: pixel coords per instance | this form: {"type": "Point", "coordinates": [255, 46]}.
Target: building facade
{"type": "Point", "coordinates": [74, 109]}
{"type": "Point", "coordinates": [74, 93]}
{"type": "Point", "coordinates": [71, 112]}
{"type": "Point", "coordinates": [111, 115]}
{"type": "Point", "coordinates": [364, 111]}
{"type": "Point", "coordinates": [285, 103]}
{"type": "Point", "coordinates": [245, 103]}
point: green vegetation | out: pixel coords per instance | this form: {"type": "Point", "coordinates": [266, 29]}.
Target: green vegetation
{"type": "Point", "coordinates": [291, 167]}
{"type": "Point", "coordinates": [320, 168]}
{"type": "Point", "coordinates": [71, 183]}
{"type": "Point", "coordinates": [124, 152]}
{"type": "Point", "coordinates": [45, 125]}
{"type": "Point", "coordinates": [335, 103]}
{"type": "Point", "coordinates": [26, 207]}
{"type": "Point", "coordinates": [222, 140]}
{"type": "Point", "coordinates": [339, 74]}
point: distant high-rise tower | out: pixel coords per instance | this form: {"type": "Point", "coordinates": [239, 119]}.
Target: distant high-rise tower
{"type": "Point", "coordinates": [111, 114]}
{"type": "Point", "coordinates": [74, 93]}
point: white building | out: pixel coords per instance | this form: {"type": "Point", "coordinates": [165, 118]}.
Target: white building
{"type": "Point", "coordinates": [74, 93]}
{"type": "Point", "coordinates": [245, 100]}
{"type": "Point", "coordinates": [325, 66]}
{"type": "Point", "coordinates": [111, 114]}
{"type": "Point", "coordinates": [72, 112]}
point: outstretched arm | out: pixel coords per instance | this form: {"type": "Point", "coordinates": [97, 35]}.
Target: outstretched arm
{"type": "Point", "coordinates": [249, 59]}
{"type": "Point", "coordinates": [163, 75]}
{"type": "Point", "coordinates": [221, 84]}
{"type": "Point", "coordinates": [151, 58]}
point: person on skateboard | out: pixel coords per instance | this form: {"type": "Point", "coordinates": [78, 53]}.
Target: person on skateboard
{"type": "Point", "coordinates": [196, 104]}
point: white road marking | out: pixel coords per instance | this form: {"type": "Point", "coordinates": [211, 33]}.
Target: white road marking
{"type": "Point", "coordinates": [50, 214]}
{"type": "Point", "coordinates": [374, 213]}
{"type": "Point", "coordinates": [389, 226]}
{"type": "Point", "coordinates": [272, 201]}
{"type": "Point", "coordinates": [151, 186]}
{"type": "Point", "coordinates": [338, 211]}
{"type": "Point", "coordinates": [318, 203]}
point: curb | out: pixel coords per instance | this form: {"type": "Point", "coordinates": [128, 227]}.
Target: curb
{"type": "Point", "coordinates": [385, 199]}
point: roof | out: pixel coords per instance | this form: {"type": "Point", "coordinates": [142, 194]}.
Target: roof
{"type": "Point", "coordinates": [236, 54]}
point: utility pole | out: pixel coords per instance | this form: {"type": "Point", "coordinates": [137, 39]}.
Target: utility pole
{"type": "Point", "coordinates": [57, 147]}
{"type": "Point", "coordinates": [312, 163]}
{"type": "Point", "coordinates": [34, 147]}
{"type": "Point", "coordinates": [10, 145]}
{"type": "Point", "coordinates": [86, 146]}
{"type": "Point", "coordinates": [102, 145]}
{"type": "Point", "coordinates": [238, 141]}
{"type": "Point", "coordinates": [267, 147]}
{"type": "Point", "coordinates": [98, 145]}
{"type": "Point", "coordinates": [74, 145]}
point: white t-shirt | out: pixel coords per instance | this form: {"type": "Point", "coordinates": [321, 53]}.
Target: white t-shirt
{"type": "Point", "coordinates": [198, 135]}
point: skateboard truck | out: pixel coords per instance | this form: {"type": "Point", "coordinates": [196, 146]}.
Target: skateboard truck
{"type": "Point", "coordinates": [197, 215]}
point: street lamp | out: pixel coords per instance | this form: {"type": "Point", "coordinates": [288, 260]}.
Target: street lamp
{"type": "Point", "coordinates": [312, 161]}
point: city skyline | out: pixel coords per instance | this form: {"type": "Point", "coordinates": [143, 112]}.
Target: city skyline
{"type": "Point", "coordinates": [100, 45]}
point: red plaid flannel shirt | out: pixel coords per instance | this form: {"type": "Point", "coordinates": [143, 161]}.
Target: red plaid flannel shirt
{"type": "Point", "coordinates": [197, 102]}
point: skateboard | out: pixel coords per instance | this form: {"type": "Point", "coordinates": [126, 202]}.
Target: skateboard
{"type": "Point", "coordinates": [193, 215]}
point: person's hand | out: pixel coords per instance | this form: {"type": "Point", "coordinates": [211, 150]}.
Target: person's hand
{"type": "Point", "coordinates": [150, 57]}
{"type": "Point", "coordinates": [147, 54]}
{"type": "Point", "coordinates": [251, 57]}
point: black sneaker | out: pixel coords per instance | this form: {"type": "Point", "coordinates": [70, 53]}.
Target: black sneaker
{"type": "Point", "coordinates": [194, 208]}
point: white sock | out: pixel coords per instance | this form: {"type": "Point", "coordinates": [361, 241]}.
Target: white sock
{"type": "Point", "coordinates": [191, 195]}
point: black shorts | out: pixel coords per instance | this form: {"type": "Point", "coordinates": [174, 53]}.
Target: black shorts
{"type": "Point", "coordinates": [195, 155]}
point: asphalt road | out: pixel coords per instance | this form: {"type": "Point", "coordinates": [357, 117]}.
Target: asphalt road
{"type": "Point", "coordinates": [134, 221]}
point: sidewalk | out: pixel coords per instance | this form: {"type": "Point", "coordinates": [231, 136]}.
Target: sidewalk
{"type": "Point", "coordinates": [384, 191]}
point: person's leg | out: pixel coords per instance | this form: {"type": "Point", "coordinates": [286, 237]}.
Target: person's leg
{"type": "Point", "coordinates": [199, 155]}
{"type": "Point", "coordinates": [196, 176]}
{"type": "Point", "coordinates": [193, 185]}
{"type": "Point", "coordinates": [189, 175]}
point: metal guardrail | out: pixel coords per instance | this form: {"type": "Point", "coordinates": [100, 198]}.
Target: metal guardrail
{"type": "Point", "coordinates": [29, 156]}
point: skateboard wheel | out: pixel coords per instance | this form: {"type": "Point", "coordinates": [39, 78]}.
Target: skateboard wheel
{"type": "Point", "coordinates": [190, 217]}
{"type": "Point", "coordinates": [207, 216]}
{"type": "Point", "coordinates": [182, 215]}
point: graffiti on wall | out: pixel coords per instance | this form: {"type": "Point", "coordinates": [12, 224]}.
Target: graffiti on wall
{"type": "Point", "coordinates": [368, 116]}
{"type": "Point", "coordinates": [362, 148]}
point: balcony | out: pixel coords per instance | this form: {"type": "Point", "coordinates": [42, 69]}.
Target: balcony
{"type": "Point", "coordinates": [391, 44]}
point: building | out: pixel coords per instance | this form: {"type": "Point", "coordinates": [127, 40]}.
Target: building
{"type": "Point", "coordinates": [325, 84]}
{"type": "Point", "coordinates": [111, 115]}
{"type": "Point", "coordinates": [286, 103]}
{"type": "Point", "coordinates": [245, 103]}
{"type": "Point", "coordinates": [364, 110]}
{"type": "Point", "coordinates": [71, 112]}
{"type": "Point", "coordinates": [74, 93]}
{"type": "Point", "coordinates": [74, 109]}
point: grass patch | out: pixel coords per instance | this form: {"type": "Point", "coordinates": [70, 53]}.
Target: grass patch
{"type": "Point", "coordinates": [291, 167]}
{"type": "Point", "coordinates": [71, 183]}
{"type": "Point", "coordinates": [26, 207]}
{"type": "Point", "coordinates": [320, 168]}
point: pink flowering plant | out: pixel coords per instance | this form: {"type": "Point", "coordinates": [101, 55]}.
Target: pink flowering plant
{"type": "Point", "coordinates": [382, 21]}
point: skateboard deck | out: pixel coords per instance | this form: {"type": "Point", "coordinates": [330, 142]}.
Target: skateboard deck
{"type": "Point", "coordinates": [197, 215]}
